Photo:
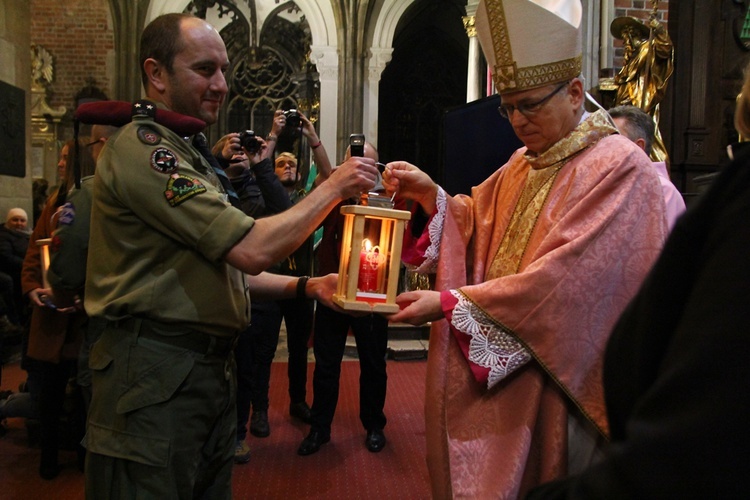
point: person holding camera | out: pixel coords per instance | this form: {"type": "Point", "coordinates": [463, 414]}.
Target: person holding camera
{"type": "Point", "coordinates": [257, 345]}
{"type": "Point", "coordinates": [171, 263]}
{"type": "Point", "coordinates": [260, 194]}
{"type": "Point", "coordinates": [331, 329]}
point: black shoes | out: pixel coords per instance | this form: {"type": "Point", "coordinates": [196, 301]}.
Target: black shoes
{"type": "Point", "coordinates": [48, 467]}
{"type": "Point", "coordinates": [301, 411]}
{"type": "Point", "coordinates": [259, 424]}
{"type": "Point", "coordinates": [312, 443]}
{"type": "Point", "coordinates": [375, 440]}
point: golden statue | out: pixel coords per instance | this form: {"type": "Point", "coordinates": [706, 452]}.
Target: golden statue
{"type": "Point", "coordinates": [648, 64]}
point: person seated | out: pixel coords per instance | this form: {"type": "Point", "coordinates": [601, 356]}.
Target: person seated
{"type": "Point", "coordinates": [14, 240]}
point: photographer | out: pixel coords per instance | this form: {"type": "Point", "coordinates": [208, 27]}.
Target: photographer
{"type": "Point", "coordinates": [252, 178]}
{"type": "Point", "coordinates": [257, 344]}
{"type": "Point", "coordinates": [293, 121]}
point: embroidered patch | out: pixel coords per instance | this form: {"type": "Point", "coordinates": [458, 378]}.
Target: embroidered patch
{"type": "Point", "coordinates": [181, 188]}
{"type": "Point", "coordinates": [164, 161]}
{"type": "Point", "coordinates": [67, 214]}
{"type": "Point", "coordinates": [148, 136]}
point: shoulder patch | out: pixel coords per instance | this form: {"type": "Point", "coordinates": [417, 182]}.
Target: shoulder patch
{"type": "Point", "coordinates": [67, 214]}
{"type": "Point", "coordinates": [148, 135]}
{"type": "Point", "coordinates": [181, 188]}
{"type": "Point", "coordinates": [164, 161]}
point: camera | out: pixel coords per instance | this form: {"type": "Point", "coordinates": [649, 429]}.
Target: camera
{"type": "Point", "coordinates": [250, 142]}
{"type": "Point", "coordinates": [292, 118]}
{"type": "Point", "coordinates": [357, 145]}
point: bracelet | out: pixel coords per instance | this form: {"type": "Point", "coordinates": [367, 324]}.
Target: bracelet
{"type": "Point", "coordinates": [271, 137]}
{"type": "Point", "coordinates": [301, 284]}
{"type": "Point", "coordinates": [314, 146]}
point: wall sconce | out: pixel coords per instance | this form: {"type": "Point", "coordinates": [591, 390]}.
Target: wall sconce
{"type": "Point", "coordinates": [370, 258]}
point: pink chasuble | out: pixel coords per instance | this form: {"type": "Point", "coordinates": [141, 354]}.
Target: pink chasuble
{"type": "Point", "coordinates": [529, 305]}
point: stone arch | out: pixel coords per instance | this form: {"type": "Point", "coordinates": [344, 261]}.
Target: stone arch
{"type": "Point", "coordinates": [381, 50]}
{"type": "Point", "coordinates": [320, 17]}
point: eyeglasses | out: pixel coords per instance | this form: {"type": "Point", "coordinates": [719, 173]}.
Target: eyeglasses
{"type": "Point", "coordinates": [528, 109]}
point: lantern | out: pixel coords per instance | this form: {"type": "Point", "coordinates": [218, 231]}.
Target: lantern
{"type": "Point", "coordinates": [44, 253]}
{"type": "Point", "coordinates": [370, 257]}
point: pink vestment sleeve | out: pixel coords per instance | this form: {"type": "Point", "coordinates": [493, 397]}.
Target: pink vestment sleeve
{"type": "Point", "coordinates": [414, 249]}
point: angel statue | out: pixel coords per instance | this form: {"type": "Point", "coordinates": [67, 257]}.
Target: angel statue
{"type": "Point", "coordinates": [647, 66]}
{"type": "Point", "coordinates": [41, 66]}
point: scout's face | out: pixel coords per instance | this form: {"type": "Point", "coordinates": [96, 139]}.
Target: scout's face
{"type": "Point", "coordinates": [544, 124]}
{"type": "Point", "coordinates": [196, 85]}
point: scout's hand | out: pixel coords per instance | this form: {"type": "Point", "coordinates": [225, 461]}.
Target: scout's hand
{"type": "Point", "coordinates": [410, 183]}
{"type": "Point", "coordinates": [353, 177]}
{"type": "Point", "coordinates": [418, 307]}
{"type": "Point", "coordinates": [322, 289]}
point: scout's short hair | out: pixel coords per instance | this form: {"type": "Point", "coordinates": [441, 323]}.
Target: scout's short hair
{"type": "Point", "coordinates": [639, 124]}
{"type": "Point", "coordinates": [162, 40]}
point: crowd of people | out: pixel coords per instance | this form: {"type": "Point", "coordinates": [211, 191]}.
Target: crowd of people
{"type": "Point", "coordinates": [584, 339]}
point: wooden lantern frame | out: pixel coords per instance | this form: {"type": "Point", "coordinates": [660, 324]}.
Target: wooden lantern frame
{"type": "Point", "coordinates": [392, 225]}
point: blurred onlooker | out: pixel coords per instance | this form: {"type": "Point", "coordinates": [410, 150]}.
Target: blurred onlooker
{"type": "Point", "coordinates": [639, 127]}
{"type": "Point", "coordinates": [68, 255]}
{"type": "Point", "coordinates": [14, 240]}
{"type": "Point", "coordinates": [54, 337]}
{"type": "Point", "coordinates": [39, 197]}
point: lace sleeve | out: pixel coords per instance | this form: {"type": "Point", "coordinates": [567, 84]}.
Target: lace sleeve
{"type": "Point", "coordinates": [435, 231]}
{"type": "Point", "coordinates": [492, 346]}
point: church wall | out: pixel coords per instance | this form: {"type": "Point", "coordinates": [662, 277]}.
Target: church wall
{"type": "Point", "coordinates": [15, 69]}
{"type": "Point", "coordinates": [80, 37]}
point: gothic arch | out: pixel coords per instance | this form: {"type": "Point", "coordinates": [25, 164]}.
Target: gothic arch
{"type": "Point", "coordinates": [381, 50]}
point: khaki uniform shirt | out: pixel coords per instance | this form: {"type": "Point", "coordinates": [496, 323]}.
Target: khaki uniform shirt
{"type": "Point", "coordinates": [160, 228]}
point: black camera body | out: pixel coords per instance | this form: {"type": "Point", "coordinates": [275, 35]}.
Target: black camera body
{"type": "Point", "coordinates": [292, 118]}
{"type": "Point", "coordinates": [357, 145]}
{"type": "Point", "coordinates": [250, 141]}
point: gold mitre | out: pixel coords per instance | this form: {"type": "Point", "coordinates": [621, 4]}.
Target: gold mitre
{"type": "Point", "coordinates": [530, 43]}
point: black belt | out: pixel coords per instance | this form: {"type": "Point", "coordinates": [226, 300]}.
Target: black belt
{"type": "Point", "coordinates": [202, 343]}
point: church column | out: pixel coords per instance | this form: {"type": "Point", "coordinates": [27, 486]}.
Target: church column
{"type": "Point", "coordinates": [326, 62]}
{"type": "Point", "coordinates": [473, 75]}
{"type": "Point", "coordinates": [379, 58]}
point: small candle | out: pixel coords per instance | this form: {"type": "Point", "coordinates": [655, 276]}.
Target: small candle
{"type": "Point", "coordinates": [369, 263]}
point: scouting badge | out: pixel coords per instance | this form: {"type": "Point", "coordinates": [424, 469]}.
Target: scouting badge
{"type": "Point", "coordinates": [181, 188]}
{"type": "Point", "coordinates": [164, 161]}
{"type": "Point", "coordinates": [67, 214]}
{"type": "Point", "coordinates": [148, 136]}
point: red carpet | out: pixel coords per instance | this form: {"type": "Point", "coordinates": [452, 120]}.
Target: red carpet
{"type": "Point", "coordinates": [342, 468]}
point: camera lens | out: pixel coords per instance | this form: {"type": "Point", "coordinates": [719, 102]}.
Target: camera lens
{"type": "Point", "coordinates": [292, 118]}
{"type": "Point", "coordinates": [249, 141]}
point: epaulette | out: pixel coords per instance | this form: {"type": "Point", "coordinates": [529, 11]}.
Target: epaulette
{"type": "Point", "coordinates": [119, 113]}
